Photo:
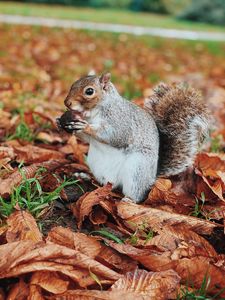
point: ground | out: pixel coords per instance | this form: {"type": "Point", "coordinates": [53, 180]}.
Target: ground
{"type": "Point", "coordinates": [58, 240]}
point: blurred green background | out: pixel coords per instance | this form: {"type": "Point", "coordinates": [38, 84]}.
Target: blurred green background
{"type": "Point", "coordinates": [208, 11]}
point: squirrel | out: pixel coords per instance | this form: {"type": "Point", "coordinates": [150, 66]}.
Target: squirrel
{"type": "Point", "coordinates": [130, 146]}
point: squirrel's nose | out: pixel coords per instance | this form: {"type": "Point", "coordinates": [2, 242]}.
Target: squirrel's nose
{"type": "Point", "coordinates": [68, 103]}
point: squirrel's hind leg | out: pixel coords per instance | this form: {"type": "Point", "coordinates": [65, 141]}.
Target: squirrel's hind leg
{"type": "Point", "coordinates": [138, 174]}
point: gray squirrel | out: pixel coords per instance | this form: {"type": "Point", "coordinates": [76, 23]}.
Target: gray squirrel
{"type": "Point", "coordinates": [130, 146]}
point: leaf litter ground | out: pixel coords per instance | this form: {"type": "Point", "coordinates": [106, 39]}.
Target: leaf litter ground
{"type": "Point", "coordinates": [62, 236]}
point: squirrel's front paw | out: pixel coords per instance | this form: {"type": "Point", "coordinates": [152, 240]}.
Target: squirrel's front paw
{"type": "Point", "coordinates": [77, 125]}
{"type": "Point", "coordinates": [80, 125]}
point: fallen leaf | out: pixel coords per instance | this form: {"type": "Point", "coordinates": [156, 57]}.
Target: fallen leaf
{"type": "Point", "coordinates": [26, 256]}
{"type": "Point", "coordinates": [134, 215]}
{"type": "Point", "coordinates": [171, 236]}
{"type": "Point", "coordinates": [49, 138]}
{"type": "Point", "coordinates": [153, 285]}
{"type": "Point", "coordinates": [50, 281]}
{"type": "Point", "coordinates": [5, 119]}
{"type": "Point", "coordinates": [119, 262]}
{"type": "Point", "coordinates": [173, 193]}
{"type": "Point", "coordinates": [91, 247]}
{"type": "Point", "coordinates": [215, 211]}
{"type": "Point", "coordinates": [7, 152]}
{"type": "Point", "coordinates": [80, 276]}
{"type": "Point", "coordinates": [22, 226]}
{"type": "Point", "coordinates": [98, 216]}
{"type": "Point", "coordinates": [35, 293]}
{"type": "Point", "coordinates": [211, 167]}
{"type": "Point", "coordinates": [19, 291]}
{"type": "Point", "coordinates": [99, 295]}
{"type": "Point", "coordinates": [137, 285]}
{"type": "Point", "coordinates": [78, 150]}
{"type": "Point", "coordinates": [85, 204]}
{"type": "Point", "coordinates": [198, 269]}
{"type": "Point", "coordinates": [3, 230]}
{"type": "Point", "coordinates": [87, 245]}
{"type": "Point", "coordinates": [191, 270]}
{"type": "Point", "coordinates": [32, 154]}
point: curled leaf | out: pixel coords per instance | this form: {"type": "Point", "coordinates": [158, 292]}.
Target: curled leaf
{"type": "Point", "coordinates": [85, 204]}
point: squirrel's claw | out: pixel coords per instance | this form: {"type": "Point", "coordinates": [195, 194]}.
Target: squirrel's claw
{"type": "Point", "coordinates": [70, 125]}
{"type": "Point", "coordinates": [80, 125]}
{"type": "Point", "coordinates": [76, 125]}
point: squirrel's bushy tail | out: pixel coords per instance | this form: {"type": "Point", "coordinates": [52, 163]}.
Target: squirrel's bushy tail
{"type": "Point", "coordinates": [182, 120]}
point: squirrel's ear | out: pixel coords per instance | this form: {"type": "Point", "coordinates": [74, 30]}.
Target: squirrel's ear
{"type": "Point", "coordinates": [105, 79]}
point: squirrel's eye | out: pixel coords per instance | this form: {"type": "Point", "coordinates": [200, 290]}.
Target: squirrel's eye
{"type": "Point", "coordinates": [89, 91]}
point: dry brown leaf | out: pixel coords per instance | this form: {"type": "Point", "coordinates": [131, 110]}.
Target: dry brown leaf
{"type": "Point", "coordinates": [160, 188]}
{"type": "Point", "coordinates": [153, 285]}
{"type": "Point", "coordinates": [14, 179]}
{"type": "Point", "coordinates": [133, 251]}
{"type": "Point", "coordinates": [26, 256]}
{"type": "Point", "coordinates": [203, 189]}
{"type": "Point", "coordinates": [10, 252]}
{"type": "Point", "coordinates": [50, 281]}
{"type": "Point", "coordinates": [91, 247]}
{"type": "Point", "coordinates": [7, 152]}
{"type": "Point", "coordinates": [210, 163]}
{"type": "Point", "coordinates": [6, 156]}
{"type": "Point", "coordinates": [189, 269]}
{"type": "Point", "coordinates": [50, 138]}
{"type": "Point", "coordinates": [66, 149]}
{"type": "Point", "coordinates": [49, 182]}
{"type": "Point", "coordinates": [115, 260]}
{"type": "Point", "coordinates": [136, 215]}
{"type": "Point", "coordinates": [219, 261]}
{"type": "Point", "coordinates": [98, 295]}
{"type": "Point", "coordinates": [19, 291]}
{"type": "Point", "coordinates": [78, 150]}
{"type": "Point", "coordinates": [197, 269]}
{"type": "Point", "coordinates": [152, 258]}
{"type": "Point", "coordinates": [77, 274]}
{"type": "Point", "coordinates": [98, 216]}
{"type": "Point", "coordinates": [85, 204]}
{"type": "Point", "coordinates": [137, 285]}
{"type": "Point", "coordinates": [32, 154]}
{"type": "Point", "coordinates": [87, 245]}
{"type": "Point", "coordinates": [215, 212]}
{"type": "Point", "coordinates": [211, 167]}
{"type": "Point", "coordinates": [35, 293]}
{"type": "Point", "coordinates": [3, 230]}
{"type": "Point", "coordinates": [5, 121]}
{"type": "Point", "coordinates": [176, 193]}
{"type": "Point", "coordinates": [172, 236]}
{"type": "Point", "coordinates": [61, 236]}
{"type": "Point", "coordinates": [22, 226]}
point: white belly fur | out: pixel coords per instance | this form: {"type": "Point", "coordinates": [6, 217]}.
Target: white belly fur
{"type": "Point", "coordinates": [105, 162]}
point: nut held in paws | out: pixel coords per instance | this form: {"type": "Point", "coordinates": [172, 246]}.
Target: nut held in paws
{"type": "Point", "coordinates": [67, 118]}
